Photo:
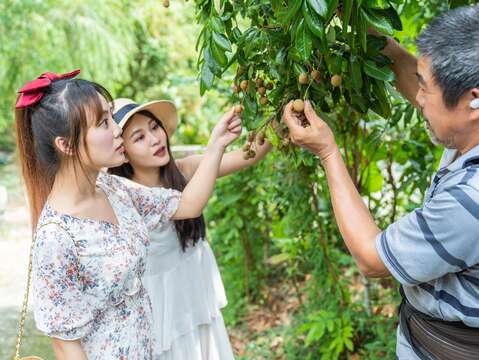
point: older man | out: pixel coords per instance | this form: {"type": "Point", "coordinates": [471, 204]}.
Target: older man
{"type": "Point", "coordinates": [433, 251]}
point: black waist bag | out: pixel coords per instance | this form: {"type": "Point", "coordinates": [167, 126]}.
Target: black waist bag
{"type": "Point", "coordinates": [436, 339]}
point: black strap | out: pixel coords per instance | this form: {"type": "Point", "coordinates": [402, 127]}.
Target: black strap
{"type": "Point", "coordinates": [405, 314]}
{"type": "Point", "coordinates": [437, 339]}
{"type": "Point", "coordinates": [120, 114]}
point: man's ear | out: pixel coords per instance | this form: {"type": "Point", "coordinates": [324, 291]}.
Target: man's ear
{"type": "Point", "coordinates": [475, 101]}
{"type": "Point", "coordinates": [474, 105]}
{"type": "Point", "coordinates": [62, 144]}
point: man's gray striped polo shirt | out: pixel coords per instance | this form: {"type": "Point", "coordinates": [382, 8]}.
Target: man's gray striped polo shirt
{"type": "Point", "coordinates": [434, 251]}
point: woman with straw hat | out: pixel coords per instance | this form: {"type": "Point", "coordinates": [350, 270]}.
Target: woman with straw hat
{"type": "Point", "coordinates": [182, 277]}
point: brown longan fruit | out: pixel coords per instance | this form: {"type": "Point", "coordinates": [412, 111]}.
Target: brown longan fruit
{"type": "Point", "coordinates": [298, 105]}
{"type": "Point", "coordinates": [244, 85]}
{"type": "Point", "coordinates": [303, 79]}
{"type": "Point", "coordinates": [336, 80]}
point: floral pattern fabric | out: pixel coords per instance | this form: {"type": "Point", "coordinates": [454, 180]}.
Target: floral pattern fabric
{"type": "Point", "coordinates": [87, 273]}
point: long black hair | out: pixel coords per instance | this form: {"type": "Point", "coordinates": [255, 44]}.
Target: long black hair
{"type": "Point", "coordinates": [190, 231]}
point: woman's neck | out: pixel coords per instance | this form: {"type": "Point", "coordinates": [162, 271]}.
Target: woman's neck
{"type": "Point", "coordinates": [148, 176]}
{"type": "Point", "coordinates": [72, 188]}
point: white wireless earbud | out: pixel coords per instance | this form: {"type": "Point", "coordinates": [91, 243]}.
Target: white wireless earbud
{"type": "Point", "coordinates": [475, 104]}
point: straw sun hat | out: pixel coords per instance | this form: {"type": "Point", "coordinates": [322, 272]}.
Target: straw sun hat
{"type": "Point", "coordinates": [165, 111]}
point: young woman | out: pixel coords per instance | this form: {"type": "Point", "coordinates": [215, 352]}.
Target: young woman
{"type": "Point", "coordinates": [181, 276]}
{"type": "Point", "coordinates": [92, 228]}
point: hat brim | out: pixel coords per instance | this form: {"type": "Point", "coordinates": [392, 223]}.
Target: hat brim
{"type": "Point", "coordinates": [164, 110]}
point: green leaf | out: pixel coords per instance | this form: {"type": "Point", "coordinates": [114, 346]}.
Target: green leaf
{"type": "Point", "coordinates": [377, 4]}
{"type": "Point", "coordinates": [363, 32]}
{"type": "Point", "coordinates": [221, 41]}
{"type": "Point", "coordinates": [253, 41]}
{"type": "Point", "coordinates": [206, 79]}
{"type": "Point", "coordinates": [347, 9]}
{"type": "Point", "coordinates": [409, 114]}
{"type": "Point", "coordinates": [303, 41]}
{"type": "Point", "coordinates": [334, 63]}
{"type": "Point", "coordinates": [374, 178]}
{"type": "Point", "coordinates": [280, 56]}
{"type": "Point", "coordinates": [287, 14]}
{"type": "Point", "coordinates": [349, 344]}
{"type": "Point", "coordinates": [332, 6]}
{"type": "Point", "coordinates": [315, 333]}
{"type": "Point", "coordinates": [219, 54]}
{"type": "Point", "coordinates": [216, 25]}
{"type": "Point", "coordinates": [376, 44]}
{"type": "Point", "coordinates": [211, 62]}
{"type": "Point", "coordinates": [381, 105]}
{"type": "Point", "coordinates": [394, 18]}
{"type": "Point", "coordinates": [359, 103]}
{"type": "Point", "coordinates": [278, 259]}
{"type": "Point", "coordinates": [293, 54]}
{"type": "Point", "coordinates": [236, 33]}
{"type": "Point", "coordinates": [393, 92]}
{"type": "Point", "coordinates": [331, 35]}
{"type": "Point", "coordinates": [200, 37]}
{"type": "Point", "coordinates": [276, 5]}
{"type": "Point", "coordinates": [356, 77]}
{"type": "Point", "coordinates": [314, 22]}
{"type": "Point", "coordinates": [299, 69]}
{"type": "Point", "coordinates": [378, 21]}
{"type": "Point", "coordinates": [383, 73]}
{"type": "Point", "coordinates": [218, 7]}
{"type": "Point", "coordinates": [319, 6]}
{"type": "Point", "coordinates": [250, 108]}
{"type": "Point", "coordinates": [273, 138]}
{"type": "Point", "coordinates": [250, 75]}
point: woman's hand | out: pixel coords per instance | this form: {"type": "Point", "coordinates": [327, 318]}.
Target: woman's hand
{"type": "Point", "coordinates": [227, 130]}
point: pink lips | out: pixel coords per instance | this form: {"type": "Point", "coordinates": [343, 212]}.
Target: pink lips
{"type": "Point", "coordinates": [120, 148]}
{"type": "Point", "coordinates": [160, 152]}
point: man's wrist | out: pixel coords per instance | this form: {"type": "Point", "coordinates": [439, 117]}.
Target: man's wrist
{"type": "Point", "coordinates": [330, 156]}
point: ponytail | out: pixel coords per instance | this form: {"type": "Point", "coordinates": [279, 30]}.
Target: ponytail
{"type": "Point", "coordinates": [37, 182]}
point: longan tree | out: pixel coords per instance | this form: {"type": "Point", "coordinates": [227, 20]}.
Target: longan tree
{"type": "Point", "coordinates": [313, 49]}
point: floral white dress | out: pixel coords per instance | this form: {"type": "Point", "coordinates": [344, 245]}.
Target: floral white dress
{"type": "Point", "coordinates": [104, 303]}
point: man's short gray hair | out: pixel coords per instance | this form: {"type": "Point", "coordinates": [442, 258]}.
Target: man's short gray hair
{"type": "Point", "coordinates": [451, 42]}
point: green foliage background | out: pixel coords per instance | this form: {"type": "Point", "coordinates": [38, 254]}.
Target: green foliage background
{"type": "Point", "coordinates": [271, 226]}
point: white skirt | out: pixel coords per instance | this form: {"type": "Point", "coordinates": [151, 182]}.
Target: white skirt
{"type": "Point", "coordinates": [187, 295]}
{"type": "Point", "coordinates": [206, 342]}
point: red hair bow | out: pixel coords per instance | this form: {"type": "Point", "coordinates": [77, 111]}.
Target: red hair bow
{"type": "Point", "coordinates": [32, 92]}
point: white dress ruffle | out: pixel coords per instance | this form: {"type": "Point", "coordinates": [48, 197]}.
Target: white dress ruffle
{"type": "Point", "coordinates": [187, 295]}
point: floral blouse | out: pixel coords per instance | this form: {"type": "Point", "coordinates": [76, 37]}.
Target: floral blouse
{"type": "Point", "coordinates": [87, 273]}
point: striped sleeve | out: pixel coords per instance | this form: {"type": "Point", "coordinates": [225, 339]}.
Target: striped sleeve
{"type": "Point", "coordinates": [439, 238]}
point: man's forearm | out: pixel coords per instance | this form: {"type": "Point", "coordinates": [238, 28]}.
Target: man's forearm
{"type": "Point", "coordinates": [405, 68]}
{"type": "Point", "coordinates": [355, 223]}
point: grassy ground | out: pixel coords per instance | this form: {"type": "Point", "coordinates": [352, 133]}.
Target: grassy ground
{"type": "Point", "coordinates": [14, 242]}
{"type": "Point", "coordinates": [34, 343]}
